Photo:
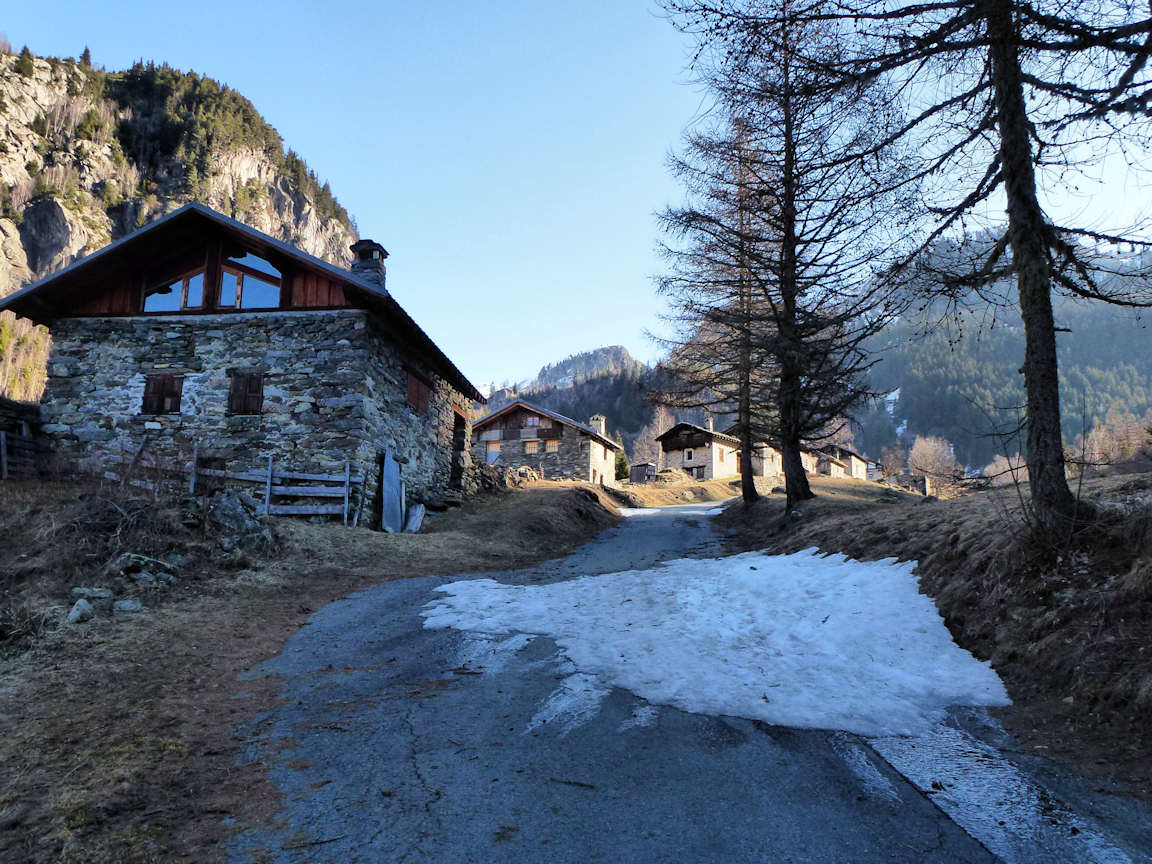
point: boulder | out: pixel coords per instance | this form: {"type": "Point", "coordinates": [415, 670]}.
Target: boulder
{"type": "Point", "coordinates": [81, 611]}
{"type": "Point", "coordinates": [127, 605]}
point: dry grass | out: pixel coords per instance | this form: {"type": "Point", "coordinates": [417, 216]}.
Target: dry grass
{"type": "Point", "coordinates": [685, 491]}
{"type": "Point", "coordinates": [118, 741]}
{"type": "Point", "coordinates": [1065, 627]}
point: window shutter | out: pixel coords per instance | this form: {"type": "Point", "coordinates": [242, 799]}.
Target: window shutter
{"type": "Point", "coordinates": [418, 393]}
{"type": "Point", "coordinates": [254, 402]}
{"type": "Point", "coordinates": [152, 395]}
{"type": "Point", "coordinates": [246, 393]}
{"type": "Point", "coordinates": [173, 387]}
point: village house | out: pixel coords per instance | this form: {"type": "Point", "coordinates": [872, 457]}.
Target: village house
{"type": "Point", "coordinates": [855, 465]}
{"type": "Point", "coordinates": [701, 451]}
{"type": "Point", "coordinates": [198, 331]}
{"type": "Point", "coordinates": [554, 446]}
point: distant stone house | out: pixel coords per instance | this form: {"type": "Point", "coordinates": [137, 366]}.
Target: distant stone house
{"type": "Point", "coordinates": [831, 467]}
{"type": "Point", "coordinates": [701, 451]}
{"type": "Point", "coordinates": [855, 465]}
{"type": "Point", "coordinates": [555, 446]}
{"type": "Point", "coordinates": [200, 331]}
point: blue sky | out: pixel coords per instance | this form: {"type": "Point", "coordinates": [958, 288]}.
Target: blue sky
{"type": "Point", "coordinates": [509, 155]}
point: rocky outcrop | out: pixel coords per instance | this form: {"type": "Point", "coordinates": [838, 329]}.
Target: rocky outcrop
{"type": "Point", "coordinates": [87, 156]}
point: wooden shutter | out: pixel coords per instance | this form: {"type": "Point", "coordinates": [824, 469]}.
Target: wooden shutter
{"type": "Point", "coordinates": [173, 388]}
{"type": "Point", "coordinates": [418, 393]}
{"type": "Point", "coordinates": [246, 394]}
{"type": "Point", "coordinates": [162, 394]}
{"type": "Point", "coordinates": [153, 398]}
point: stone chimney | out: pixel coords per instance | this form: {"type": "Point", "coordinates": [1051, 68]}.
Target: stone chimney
{"type": "Point", "coordinates": [369, 263]}
{"type": "Point", "coordinates": [710, 423]}
{"type": "Point", "coordinates": [600, 423]}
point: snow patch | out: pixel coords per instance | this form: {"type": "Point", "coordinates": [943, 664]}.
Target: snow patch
{"type": "Point", "coordinates": [572, 704]}
{"type": "Point", "coordinates": [795, 640]}
{"type": "Point", "coordinates": [873, 782]}
{"type": "Point", "coordinates": [490, 654]}
{"type": "Point", "coordinates": [994, 801]}
{"type": "Point", "coordinates": [642, 715]}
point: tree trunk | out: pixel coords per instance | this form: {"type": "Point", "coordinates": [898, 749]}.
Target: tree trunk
{"type": "Point", "coordinates": [790, 392]}
{"type": "Point", "coordinates": [1052, 501]}
{"type": "Point", "coordinates": [795, 477]}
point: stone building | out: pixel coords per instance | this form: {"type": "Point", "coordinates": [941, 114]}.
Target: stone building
{"type": "Point", "coordinates": [855, 465]}
{"type": "Point", "coordinates": [555, 446]}
{"type": "Point", "coordinates": [701, 451]}
{"type": "Point", "coordinates": [200, 331]}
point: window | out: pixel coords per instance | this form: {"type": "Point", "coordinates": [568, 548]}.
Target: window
{"type": "Point", "coordinates": [552, 445]}
{"type": "Point", "coordinates": [186, 292]}
{"type": "Point", "coordinates": [531, 420]}
{"type": "Point", "coordinates": [249, 282]}
{"type": "Point", "coordinates": [418, 393]}
{"type": "Point", "coordinates": [531, 446]}
{"type": "Point", "coordinates": [721, 454]}
{"type": "Point", "coordinates": [162, 394]}
{"type": "Point", "coordinates": [687, 455]}
{"type": "Point", "coordinates": [246, 395]}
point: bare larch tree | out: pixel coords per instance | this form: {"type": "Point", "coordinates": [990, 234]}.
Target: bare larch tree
{"type": "Point", "coordinates": [1009, 103]}
{"type": "Point", "coordinates": [773, 252]}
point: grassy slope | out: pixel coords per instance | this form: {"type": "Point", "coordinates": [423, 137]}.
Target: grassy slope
{"type": "Point", "coordinates": [1065, 628]}
{"type": "Point", "coordinates": [118, 740]}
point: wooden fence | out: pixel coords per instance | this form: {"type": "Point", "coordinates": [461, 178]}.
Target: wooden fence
{"type": "Point", "coordinates": [294, 485]}
{"type": "Point", "coordinates": [18, 454]}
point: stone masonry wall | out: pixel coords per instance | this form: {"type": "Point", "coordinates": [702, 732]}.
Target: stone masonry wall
{"type": "Point", "coordinates": [332, 392]}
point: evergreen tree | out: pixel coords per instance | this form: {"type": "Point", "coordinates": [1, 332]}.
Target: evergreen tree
{"type": "Point", "coordinates": [24, 64]}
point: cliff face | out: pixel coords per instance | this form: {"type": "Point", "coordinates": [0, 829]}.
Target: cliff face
{"type": "Point", "coordinates": [87, 156]}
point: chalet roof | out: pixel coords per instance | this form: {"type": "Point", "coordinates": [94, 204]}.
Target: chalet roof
{"type": "Point", "coordinates": [692, 427]}
{"type": "Point", "coordinates": [544, 412]}
{"type": "Point", "coordinates": [844, 449]}
{"type": "Point", "coordinates": [47, 299]}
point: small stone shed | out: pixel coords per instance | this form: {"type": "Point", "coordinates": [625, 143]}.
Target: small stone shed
{"type": "Point", "coordinates": [198, 330]}
{"type": "Point", "coordinates": [555, 446]}
{"type": "Point", "coordinates": [701, 451]}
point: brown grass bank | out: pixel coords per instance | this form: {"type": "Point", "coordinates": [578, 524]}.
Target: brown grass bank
{"type": "Point", "coordinates": [118, 742]}
{"type": "Point", "coordinates": [1069, 629]}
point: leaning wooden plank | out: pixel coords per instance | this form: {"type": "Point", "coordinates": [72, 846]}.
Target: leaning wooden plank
{"type": "Point", "coordinates": [306, 509]}
{"type": "Point", "coordinates": [415, 519]}
{"type": "Point", "coordinates": [192, 473]}
{"type": "Point", "coordinates": [3, 455]}
{"type": "Point", "coordinates": [310, 491]}
{"type": "Point", "coordinates": [347, 487]}
{"type": "Point", "coordinates": [268, 489]}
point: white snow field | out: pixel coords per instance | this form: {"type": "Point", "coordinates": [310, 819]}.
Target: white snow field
{"type": "Point", "coordinates": [800, 640]}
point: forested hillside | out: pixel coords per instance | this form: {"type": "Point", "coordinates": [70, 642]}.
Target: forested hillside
{"type": "Point", "coordinates": [961, 381]}
{"type": "Point", "coordinates": [88, 155]}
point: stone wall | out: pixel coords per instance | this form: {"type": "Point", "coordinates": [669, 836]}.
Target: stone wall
{"type": "Point", "coordinates": [334, 390]}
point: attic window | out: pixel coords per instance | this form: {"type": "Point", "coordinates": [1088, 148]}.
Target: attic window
{"type": "Point", "coordinates": [531, 420]}
{"type": "Point", "coordinates": [246, 393]}
{"type": "Point", "coordinates": [249, 282]}
{"type": "Point", "coordinates": [186, 292]}
{"type": "Point", "coordinates": [162, 394]}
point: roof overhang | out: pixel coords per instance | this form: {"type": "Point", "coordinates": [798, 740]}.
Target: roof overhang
{"type": "Point", "coordinates": [49, 298]}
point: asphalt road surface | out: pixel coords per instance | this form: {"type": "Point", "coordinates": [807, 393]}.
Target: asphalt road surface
{"type": "Point", "coordinates": [401, 744]}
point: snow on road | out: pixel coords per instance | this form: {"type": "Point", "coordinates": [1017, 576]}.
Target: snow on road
{"type": "Point", "coordinates": [798, 640]}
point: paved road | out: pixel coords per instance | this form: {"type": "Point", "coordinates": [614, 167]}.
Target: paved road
{"type": "Point", "coordinates": [400, 744]}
